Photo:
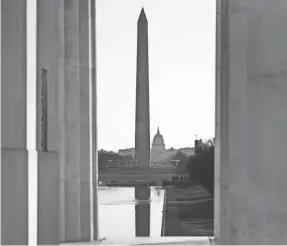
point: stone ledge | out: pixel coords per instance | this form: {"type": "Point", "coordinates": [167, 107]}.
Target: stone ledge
{"type": "Point", "coordinates": [151, 241]}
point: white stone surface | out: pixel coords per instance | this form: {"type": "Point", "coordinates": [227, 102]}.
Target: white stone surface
{"type": "Point", "coordinates": [256, 123]}
{"type": "Point", "coordinates": [14, 156]}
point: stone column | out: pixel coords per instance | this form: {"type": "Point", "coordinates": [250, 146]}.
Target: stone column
{"type": "Point", "coordinates": [221, 124]}
{"type": "Point", "coordinates": [256, 123]}
{"type": "Point", "coordinates": [74, 123]}
{"type": "Point", "coordinates": [142, 211]}
{"type": "Point", "coordinates": [142, 126]}
{"type": "Point", "coordinates": [48, 54]}
{"type": "Point", "coordinates": [84, 117]}
{"type": "Point", "coordinates": [61, 122]}
{"type": "Point", "coordinates": [70, 119]}
{"type": "Point", "coordinates": [14, 156]}
{"type": "Point", "coordinates": [93, 126]}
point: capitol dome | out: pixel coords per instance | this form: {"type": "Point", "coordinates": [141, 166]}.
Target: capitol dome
{"type": "Point", "coordinates": [158, 141]}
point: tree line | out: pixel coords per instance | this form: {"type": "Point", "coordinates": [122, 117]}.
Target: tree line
{"type": "Point", "coordinates": [200, 166]}
{"type": "Point", "coordinates": [108, 159]}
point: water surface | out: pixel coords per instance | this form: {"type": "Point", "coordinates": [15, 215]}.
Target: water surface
{"type": "Point", "coordinates": [117, 212]}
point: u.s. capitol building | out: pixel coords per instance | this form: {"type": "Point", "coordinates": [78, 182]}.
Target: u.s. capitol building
{"type": "Point", "coordinates": [158, 150]}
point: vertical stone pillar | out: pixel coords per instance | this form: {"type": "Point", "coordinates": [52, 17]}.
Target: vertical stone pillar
{"type": "Point", "coordinates": [72, 121]}
{"type": "Point", "coordinates": [93, 126]}
{"type": "Point", "coordinates": [231, 159]}
{"type": "Point", "coordinates": [63, 129]}
{"type": "Point", "coordinates": [142, 126]}
{"type": "Point", "coordinates": [84, 117]}
{"type": "Point", "coordinates": [142, 211]}
{"type": "Point", "coordinates": [48, 50]}
{"type": "Point", "coordinates": [61, 121]}
{"type": "Point", "coordinates": [221, 125]}
{"type": "Point", "coordinates": [14, 156]}
{"type": "Point", "coordinates": [256, 121]}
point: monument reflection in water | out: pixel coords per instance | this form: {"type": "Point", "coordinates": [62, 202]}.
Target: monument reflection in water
{"type": "Point", "coordinates": [123, 217]}
{"type": "Point", "coordinates": [142, 211]}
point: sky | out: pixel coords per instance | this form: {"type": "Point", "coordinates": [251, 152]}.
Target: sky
{"type": "Point", "coordinates": [181, 70]}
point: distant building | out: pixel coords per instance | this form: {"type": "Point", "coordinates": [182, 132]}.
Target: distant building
{"type": "Point", "coordinates": [159, 154]}
{"type": "Point", "coordinates": [158, 151]}
{"type": "Point", "coordinates": [130, 152]}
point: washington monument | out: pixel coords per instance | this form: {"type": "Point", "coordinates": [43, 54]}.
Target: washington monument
{"type": "Point", "coordinates": [142, 127]}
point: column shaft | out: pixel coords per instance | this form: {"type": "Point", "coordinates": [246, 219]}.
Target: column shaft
{"type": "Point", "coordinates": [48, 54]}
{"type": "Point", "coordinates": [61, 121]}
{"type": "Point", "coordinates": [72, 119]}
{"type": "Point", "coordinates": [14, 156]}
{"type": "Point", "coordinates": [93, 114]}
{"type": "Point", "coordinates": [74, 123]}
{"type": "Point", "coordinates": [222, 124]}
{"type": "Point", "coordinates": [84, 120]}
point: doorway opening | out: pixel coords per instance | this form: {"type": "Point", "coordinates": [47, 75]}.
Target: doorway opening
{"type": "Point", "coordinates": [156, 83]}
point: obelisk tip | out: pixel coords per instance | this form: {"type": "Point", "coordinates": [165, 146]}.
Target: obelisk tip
{"type": "Point", "coordinates": [142, 14]}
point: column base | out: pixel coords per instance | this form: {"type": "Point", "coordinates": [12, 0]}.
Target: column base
{"type": "Point", "coordinates": [48, 198]}
{"type": "Point", "coordinates": [85, 212]}
{"type": "Point", "coordinates": [14, 196]}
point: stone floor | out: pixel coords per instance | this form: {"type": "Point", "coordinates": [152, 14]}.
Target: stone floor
{"type": "Point", "coordinates": [151, 241]}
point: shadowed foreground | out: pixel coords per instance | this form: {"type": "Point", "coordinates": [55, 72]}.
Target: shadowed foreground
{"type": "Point", "coordinates": [189, 212]}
